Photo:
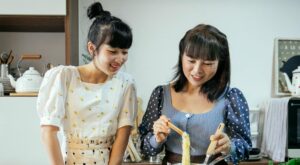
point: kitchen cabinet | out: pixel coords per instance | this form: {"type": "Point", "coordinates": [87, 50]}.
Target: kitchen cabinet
{"type": "Point", "coordinates": [43, 16]}
{"type": "Point", "coordinates": [20, 138]}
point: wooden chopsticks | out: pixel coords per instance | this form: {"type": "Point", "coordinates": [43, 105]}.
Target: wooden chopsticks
{"type": "Point", "coordinates": [176, 129]}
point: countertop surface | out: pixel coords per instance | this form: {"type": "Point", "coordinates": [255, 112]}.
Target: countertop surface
{"type": "Point", "coordinates": [263, 161]}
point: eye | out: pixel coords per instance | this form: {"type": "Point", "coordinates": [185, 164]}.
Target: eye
{"type": "Point", "coordinates": [192, 61]}
{"type": "Point", "coordinates": [112, 51]}
{"type": "Point", "coordinates": [125, 52]}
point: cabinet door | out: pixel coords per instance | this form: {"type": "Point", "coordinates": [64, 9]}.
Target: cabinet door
{"type": "Point", "coordinates": [32, 7]}
{"type": "Point", "coordinates": [20, 133]}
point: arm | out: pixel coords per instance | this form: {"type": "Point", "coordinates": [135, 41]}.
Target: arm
{"type": "Point", "coordinates": [119, 146]}
{"type": "Point", "coordinates": [51, 143]}
{"type": "Point", "coordinates": [149, 146]}
{"type": "Point", "coordinates": [126, 119]}
{"type": "Point", "coordinates": [51, 110]}
{"type": "Point", "coordinates": [238, 125]}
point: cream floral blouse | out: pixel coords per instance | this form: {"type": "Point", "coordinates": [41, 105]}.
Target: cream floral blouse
{"type": "Point", "coordinates": [84, 110]}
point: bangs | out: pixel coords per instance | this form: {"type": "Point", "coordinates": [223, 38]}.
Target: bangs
{"type": "Point", "coordinates": [203, 48]}
{"type": "Point", "coordinates": [120, 36]}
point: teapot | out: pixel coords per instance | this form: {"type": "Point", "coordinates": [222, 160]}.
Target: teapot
{"type": "Point", "coordinates": [29, 82]}
{"type": "Point", "coordinates": [294, 86]}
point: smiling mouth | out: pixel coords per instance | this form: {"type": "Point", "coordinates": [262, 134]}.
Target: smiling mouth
{"type": "Point", "coordinates": [115, 66]}
{"type": "Point", "coordinates": [197, 77]}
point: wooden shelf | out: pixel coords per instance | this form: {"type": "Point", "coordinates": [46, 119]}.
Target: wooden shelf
{"type": "Point", "coordinates": [32, 23]}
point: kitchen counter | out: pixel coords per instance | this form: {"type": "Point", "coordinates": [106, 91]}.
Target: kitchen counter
{"type": "Point", "coordinates": [263, 161]}
{"type": "Point", "coordinates": [20, 132]}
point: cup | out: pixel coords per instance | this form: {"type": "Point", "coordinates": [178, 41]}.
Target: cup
{"type": "Point", "coordinates": [1, 89]}
{"type": "Point", "coordinates": [4, 70]}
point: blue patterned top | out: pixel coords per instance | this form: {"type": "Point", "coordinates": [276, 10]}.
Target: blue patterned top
{"type": "Point", "coordinates": [231, 108]}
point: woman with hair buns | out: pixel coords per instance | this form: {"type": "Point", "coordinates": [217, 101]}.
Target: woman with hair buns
{"type": "Point", "coordinates": [94, 105]}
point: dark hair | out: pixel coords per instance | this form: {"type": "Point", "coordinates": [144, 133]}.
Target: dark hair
{"type": "Point", "coordinates": [207, 43]}
{"type": "Point", "coordinates": [107, 29]}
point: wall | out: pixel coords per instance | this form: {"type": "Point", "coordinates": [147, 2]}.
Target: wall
{"type": "Point", "coordinates": [50, 45]}
{"type": "Point", "coordinates": [33, 7]}
{"type": "Point", "coordinates": [251, 27]}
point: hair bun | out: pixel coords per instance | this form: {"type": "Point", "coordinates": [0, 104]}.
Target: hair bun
{"type": "Point", "coordinates": [96, 10]}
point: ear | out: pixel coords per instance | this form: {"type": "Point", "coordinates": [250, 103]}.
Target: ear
{"type": "Point", "coordinates": [91, 48]}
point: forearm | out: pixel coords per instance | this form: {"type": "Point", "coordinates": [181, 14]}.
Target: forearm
{"type": "Point", "coordinates": [149, 149]}
{"type": "Point", "coordinates": [51, 143]}
{"type": "Point", "coordinates": [119, 146]}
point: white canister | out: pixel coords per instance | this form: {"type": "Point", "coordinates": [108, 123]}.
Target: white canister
{"type": "Point", "coordinates": [4, 70]}
{"type": "Point", "coordinates": [1, 89]}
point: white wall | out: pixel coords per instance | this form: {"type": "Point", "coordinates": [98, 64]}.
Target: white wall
{"type": "Point", "coordinates": [33, 7]}
{"type": "Point", "coordinates": [250, 26]}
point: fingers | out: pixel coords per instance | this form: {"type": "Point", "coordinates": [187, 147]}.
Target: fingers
{"type": "Point", "coordinates": [161, 129]}
{"type": "Point", "coordinates": [223, 144]}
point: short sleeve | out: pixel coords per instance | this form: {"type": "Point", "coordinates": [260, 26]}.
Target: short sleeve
{"type": "Point", "coordinates": [129, 107]}
{"type": "Point", "coordinates": [51, 97]}
{"type": "Point", "coordinates": [237, 122]}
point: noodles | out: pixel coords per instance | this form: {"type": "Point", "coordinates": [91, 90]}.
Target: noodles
{"type": "Point", "coordinates": [185, 149]}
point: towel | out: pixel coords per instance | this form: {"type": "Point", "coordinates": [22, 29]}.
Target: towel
{"type": "Point", "coordinates": [274, 138]}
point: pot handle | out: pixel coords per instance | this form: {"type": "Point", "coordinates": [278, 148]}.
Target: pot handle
{"type": "Point", "coordinates": [31, 57]}
{"type": "Point", "coordinates": [28, 57]}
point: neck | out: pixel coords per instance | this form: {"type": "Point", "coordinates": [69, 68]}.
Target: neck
{"type": "Point", "coordinates": [92, 74]}
{"type": "Point", "coordinates": [192, 89]}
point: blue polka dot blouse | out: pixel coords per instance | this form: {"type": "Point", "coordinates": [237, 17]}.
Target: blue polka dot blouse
{"type": "Point", "coordinates": [231, 108]}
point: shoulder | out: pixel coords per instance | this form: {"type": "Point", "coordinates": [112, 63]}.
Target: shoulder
{"type": "Point", "coordinates": [61, 70]}
{"type": "Point", "coordinates": [236, 99]}
{"type": "Point", "coordinates": [233, 93]}
{"type": "Point", "coordinates": [159, 89]}
{"type": "Point", "coordinates": [124, 77]}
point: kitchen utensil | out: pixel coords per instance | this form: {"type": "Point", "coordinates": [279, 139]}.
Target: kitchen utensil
{"type": "Point", "coordinates": [212, 146]}
{"type": "Point", "coordinates": [176, 129]}
{"type": "Point", "coordinates": [10, 59]}
{"type": "Point", "coordinates": [217, 160]}
{"type": "Point", "coordinates": [4, 57]}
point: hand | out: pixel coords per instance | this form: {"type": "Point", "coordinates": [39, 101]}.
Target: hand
{"type": "Point", "coordinates": [223, 143]}
{"type": "Point", "coordinates": [161, 129]}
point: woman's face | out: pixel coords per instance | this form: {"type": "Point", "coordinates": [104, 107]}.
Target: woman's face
{"type": "Point", "coordinates": [109, 59]}
{"type": "Point", "coordinates": [198, 71]}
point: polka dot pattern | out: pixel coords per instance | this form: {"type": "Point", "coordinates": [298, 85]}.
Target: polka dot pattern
{"type": "Point", "coordinates": [237, 122]}
{"type": "Point", "coordinates": [152, 113]}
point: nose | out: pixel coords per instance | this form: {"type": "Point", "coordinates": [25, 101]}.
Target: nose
{"type": "Point", "coordinates": [197, 68]}
{"type": "Point", "coordinates": [121, 58]}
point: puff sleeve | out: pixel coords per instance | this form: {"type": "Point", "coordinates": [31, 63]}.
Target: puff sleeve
{"type": "Point", "coordinates": [237, 122]}
{"type": "Point", "coordinates": [129, 107]}
{"type": "Point", "coordinates": [149, 146]}
{"type": "Point", "coordinates": [51, 97]}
